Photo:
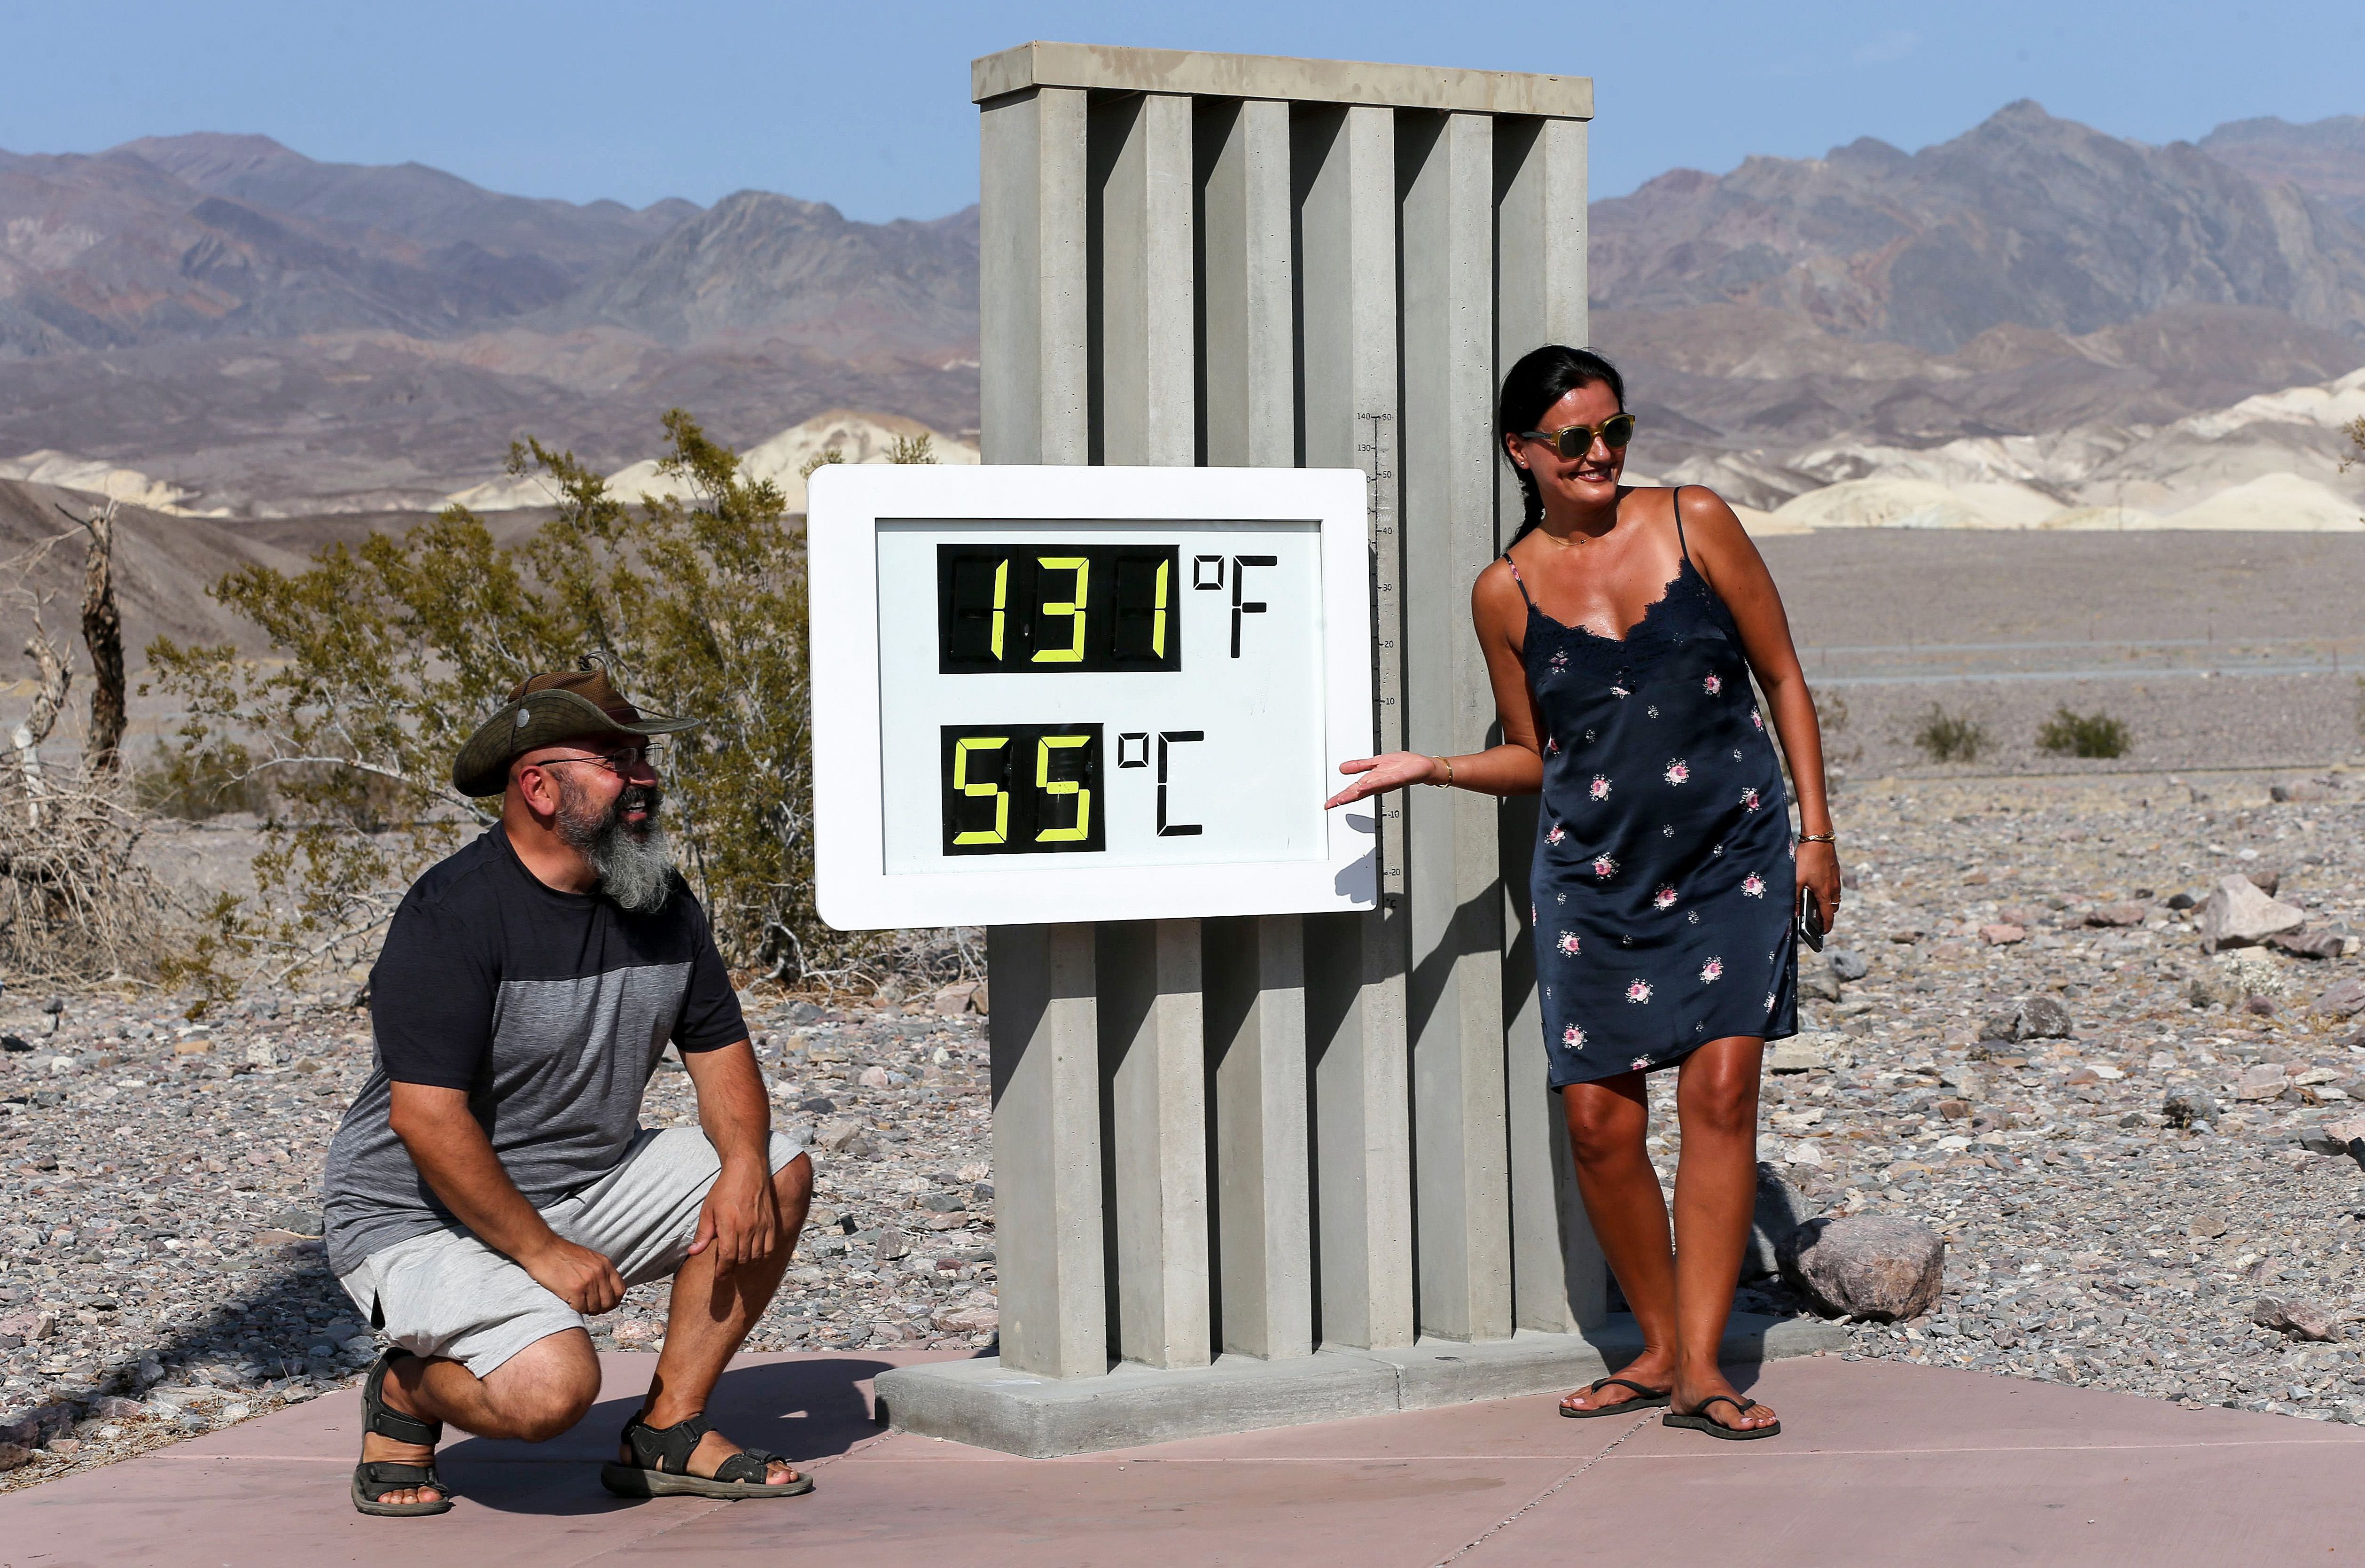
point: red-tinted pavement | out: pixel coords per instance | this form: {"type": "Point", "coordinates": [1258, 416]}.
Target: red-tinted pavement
{"type": "Point", "coordinates": [1879, 1464]}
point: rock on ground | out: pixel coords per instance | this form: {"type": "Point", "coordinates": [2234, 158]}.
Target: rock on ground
{"type": "Point", "coordinates": [1865, 1266]}
{"type": "Point", "coordinates": [2239, 914]}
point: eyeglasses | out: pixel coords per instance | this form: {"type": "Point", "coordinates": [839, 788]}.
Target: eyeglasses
{"type": "Point", "coordinates": [623, 765]}
{"type": "Point", "coordinates": [1576, 440]}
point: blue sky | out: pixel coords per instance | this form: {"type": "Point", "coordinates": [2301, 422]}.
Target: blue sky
{"type": "Point", "coordinates": [867, 106]}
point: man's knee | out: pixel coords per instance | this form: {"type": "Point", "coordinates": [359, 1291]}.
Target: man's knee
{"type": "Point", "coordinates": [793, 1190]}
{"type": "Point", "coordinates": [547, 1387]}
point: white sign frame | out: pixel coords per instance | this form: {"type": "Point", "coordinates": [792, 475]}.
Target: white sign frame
{"type": "Point", "coordinates": [848, 504]}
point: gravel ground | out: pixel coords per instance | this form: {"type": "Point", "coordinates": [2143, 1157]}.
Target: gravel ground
{"type": "Point", "coordinates": [2089, 1240]}
{"type": "Point", "coordinates": [159, 1275]}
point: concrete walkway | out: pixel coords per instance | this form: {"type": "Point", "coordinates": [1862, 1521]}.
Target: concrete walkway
{"type": "Point", "coordinates": [1879, 1464]}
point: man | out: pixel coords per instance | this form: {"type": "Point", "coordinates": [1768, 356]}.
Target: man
{"type": "Point", "coordinates": [491, 1187]}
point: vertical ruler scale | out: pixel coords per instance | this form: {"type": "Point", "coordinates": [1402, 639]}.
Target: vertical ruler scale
{"type": "Point", "coordinates": [1559, 1281]}
{"type": "Point", "coordinates": [1256, 1034]}
{"type": "Point", "coordinates": [1454, 1004]}
{"type": "Point", "coordinates": [1047, 1125]}
{"type": "Point", "coordinates": [1151, 1011]}
{"type": "Point", "coordinates": [1344, 174]}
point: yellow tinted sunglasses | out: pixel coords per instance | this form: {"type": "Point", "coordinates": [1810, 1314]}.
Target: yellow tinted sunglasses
{"type": "Point", "coordinates": [1574, 440]}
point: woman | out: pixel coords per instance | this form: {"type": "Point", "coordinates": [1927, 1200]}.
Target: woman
{"type": "Point", "coordinates": [1620, 630]}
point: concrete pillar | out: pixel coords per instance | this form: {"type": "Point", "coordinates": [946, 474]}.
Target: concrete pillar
{"type": "Point", "coordinates": [1256, 1039]}
{"type": "Point", "coordinates": [1559, 1281]}
{"type": "Point", "coordinates": [1256, 1055]}
{"type": "Point", "coordinates": [1031, 278]}
{"type": "Point", "coordinates": [1146, 318]}
{"type": "Point", "coordinates": [1153, 1042]}
{"type": "Point", "coordinates": [1142, 329]}
{"type": "Point", "coordinates": [1046, 1150]}
{"type": "Point", "coordinates": [1246, 368]}
{"type": "Point", "coordinates": [1047, 1123]}
{"type": "Point", "coordinates": [1344, 178]}
{"type": "Point", "coordinates": [1454, 1002]}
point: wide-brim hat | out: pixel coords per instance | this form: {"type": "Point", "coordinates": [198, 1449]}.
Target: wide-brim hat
{"type": "Point", "coordinates": [545, 710]}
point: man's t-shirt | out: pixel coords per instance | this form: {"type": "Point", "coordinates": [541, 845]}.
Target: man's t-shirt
{"type": "Point", "coordinates": [549, 1009]}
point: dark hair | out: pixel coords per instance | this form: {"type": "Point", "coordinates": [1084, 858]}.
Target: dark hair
{"type": "Point", "coordinates": [1542, 378]}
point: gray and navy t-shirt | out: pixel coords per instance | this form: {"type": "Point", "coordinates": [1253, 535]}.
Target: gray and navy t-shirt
{"type": "Point", "coordinates": [549, 1009]}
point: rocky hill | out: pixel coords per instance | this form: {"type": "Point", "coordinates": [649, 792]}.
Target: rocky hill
{"type": "Point", "coordinates": [2024, 222]}
{"type": "Point", "coordinates": [2325, 159]}
{"type": "Point", "coordinates": [259, 333]}
{"type": "Point", "coordinates": [2028, 277]}
{"type": "Point", "coordinates": [271, 335]}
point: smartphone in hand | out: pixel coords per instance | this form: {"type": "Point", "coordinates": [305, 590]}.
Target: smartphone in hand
{"type": "Point", "coordinates": [1810, 920]}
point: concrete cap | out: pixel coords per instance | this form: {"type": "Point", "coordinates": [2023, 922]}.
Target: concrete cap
{"type": "Point", "coordinates": [1273, 76]}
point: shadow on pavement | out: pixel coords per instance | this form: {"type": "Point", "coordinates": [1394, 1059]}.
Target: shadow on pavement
{"type": "Point", "coordinates": [806, 1410]}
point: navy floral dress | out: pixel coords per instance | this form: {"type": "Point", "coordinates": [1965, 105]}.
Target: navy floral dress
{"type": "Point", "coordinates": [1665, 877]}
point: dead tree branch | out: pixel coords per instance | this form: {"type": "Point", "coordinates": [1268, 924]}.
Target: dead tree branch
{"type": "Point", "coordinates": [49, 700]}
{"type": "Point", "coordinates": [102, 634]}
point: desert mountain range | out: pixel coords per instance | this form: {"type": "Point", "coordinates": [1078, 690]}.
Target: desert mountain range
{"type": "Point", "coordinates": [246, 331]}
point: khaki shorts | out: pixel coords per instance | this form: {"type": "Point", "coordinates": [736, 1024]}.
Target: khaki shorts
{"type": "Point", "coordinates": [447, 1293]}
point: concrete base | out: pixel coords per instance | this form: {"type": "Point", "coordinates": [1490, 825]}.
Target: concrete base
{"type": "Point", "coordinates": [978, 1403]}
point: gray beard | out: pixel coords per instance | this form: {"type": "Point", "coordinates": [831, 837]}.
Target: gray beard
{"type": "Point", "coordinates": [635, 865]}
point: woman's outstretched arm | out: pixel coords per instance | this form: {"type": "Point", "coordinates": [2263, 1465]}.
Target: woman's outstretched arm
{"type": "Point", "coordinates": [1724, 553]}
{"type": "Point", "coordinates": [1514, 767]}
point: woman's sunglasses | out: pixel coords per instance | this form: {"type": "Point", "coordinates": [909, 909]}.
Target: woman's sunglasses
{"type": "Point", "coordinates": [1576, 440]}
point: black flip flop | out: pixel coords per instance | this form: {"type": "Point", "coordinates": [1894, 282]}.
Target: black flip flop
{"type": "Point", "coordinates": [374, 1478]}
{"type": "Point", "coordinates": [1700, 1421]}
{"type": "Point", "coordinates": [660, 1466]}
{"type": "Point", "coordinates": [1645, 1398]}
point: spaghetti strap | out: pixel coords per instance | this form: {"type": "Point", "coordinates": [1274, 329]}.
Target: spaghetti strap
{"type": "Point", "coordinates": [1676, 500]}
{"type": "Point", "coordinates": [1517, 578]}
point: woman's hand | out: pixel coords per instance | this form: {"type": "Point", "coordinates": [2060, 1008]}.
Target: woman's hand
{"type": "Point", "coordinates": [1819, 868]}
{"type": "Point", "coordinates": [1377, 775]}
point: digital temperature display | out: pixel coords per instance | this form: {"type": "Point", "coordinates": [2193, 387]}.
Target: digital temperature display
{"type": "Point", "coordinates": [1080, 693]}
{"type": "Point", "coordinates": [1007, 610]}
{"type": "Point", "coordinates": [1023, 789]}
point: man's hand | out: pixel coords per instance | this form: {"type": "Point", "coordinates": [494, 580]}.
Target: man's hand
{"type": "Point", "coordinates": [576, 1275]}
{"type": "Point", "coordinates": [741, 1218]}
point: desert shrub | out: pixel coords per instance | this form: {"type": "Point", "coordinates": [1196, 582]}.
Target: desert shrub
{"type": "Point", "coordinates": [195, 786]}
{"type": "Point", "coordinates": [75, 905]}
{"type": "Point", "coordinates": [385, 656]}
{"type": "Point", "coordinates": [920, 448]}
{"type": "Point", "coordinates": [1950, 738]}
{"type": "Point", "coordinates": [2082, 735]}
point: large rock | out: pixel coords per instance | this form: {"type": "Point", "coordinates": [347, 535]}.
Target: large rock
{"type": "Point", "coordinates": [2240, 914]}
{"type": "Point", "coordinates": [1780, 1211]}
{"type": "Point", "coordinates": [2043, 1017]}
{"type": "Point", "coordinates": [1869, 1266]}
{"type": "Point", "coordinates": [2343, 1000]}
{"type": "Point", "coordinates": [2301, 1320]}
{"type": "Point", "coordinates": [2264, 1081]}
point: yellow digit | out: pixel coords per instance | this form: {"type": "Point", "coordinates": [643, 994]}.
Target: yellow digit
{"type": "Point", "coordinates": [1050, 786]}
{"type": "Point", "coordinates": [1073, 609]}
{"type": "Point", "coordinates": [961, 749]}
{"type": "Point", "coordinates": [1001, 598]}
{"type": "Point", "coordinates": [1158, 614]}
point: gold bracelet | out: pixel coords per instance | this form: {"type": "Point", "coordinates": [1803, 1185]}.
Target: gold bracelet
{"type": "Point", "coordinates": [1449, 772]}
{"type": "Point", "coordinates": [1818, 838]}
